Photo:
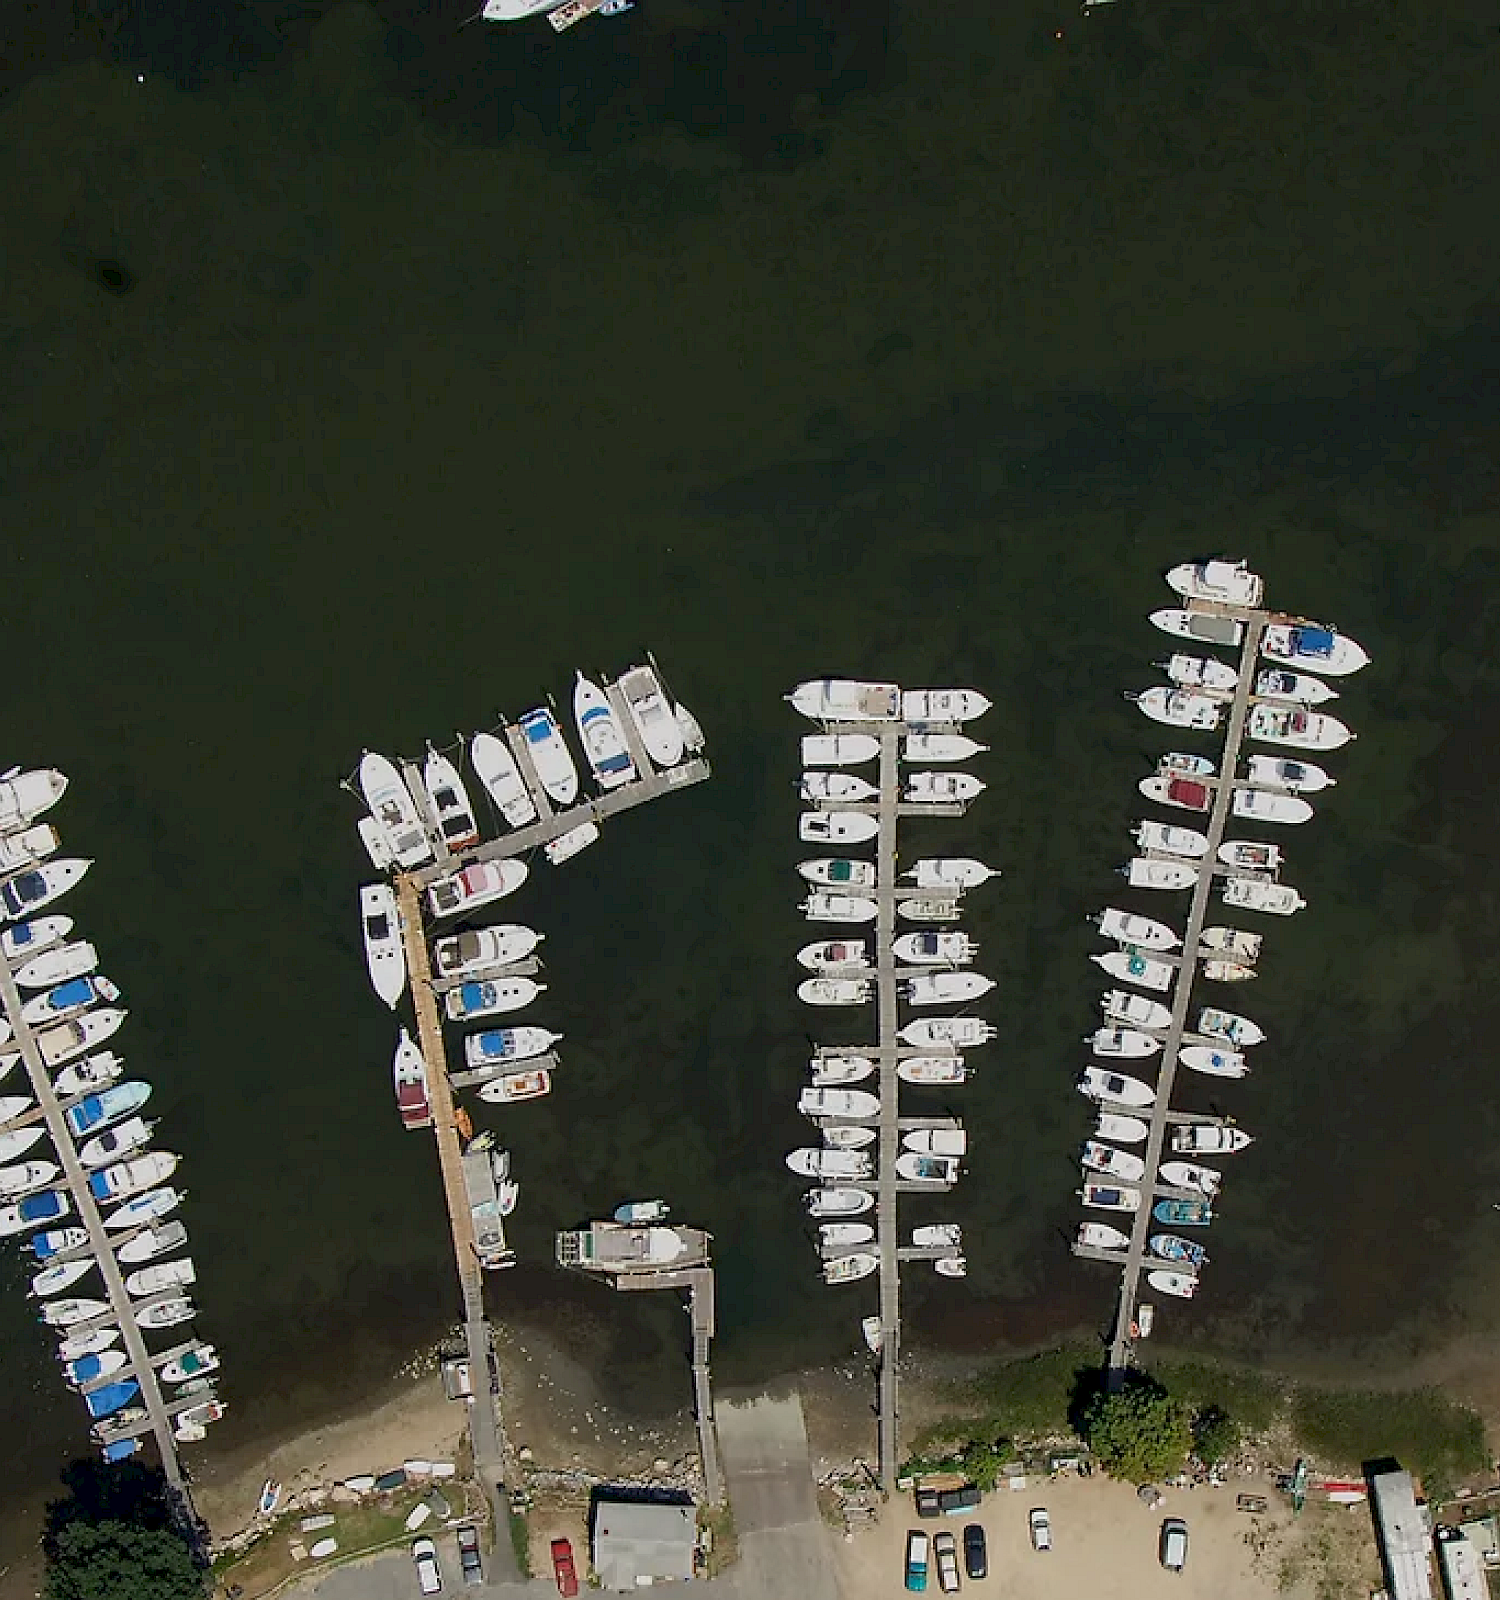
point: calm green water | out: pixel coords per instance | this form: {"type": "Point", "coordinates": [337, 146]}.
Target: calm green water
{"type": "Point", "coordinates": [423, 400]}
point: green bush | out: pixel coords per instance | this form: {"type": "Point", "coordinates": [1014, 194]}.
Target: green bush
{"type": "Point", "coordinates": [1031, 1397]}
{"type": "Point", "coordinates": [1138, 1432]}
{"type": "Point", "coordinates": [1216, 1435]}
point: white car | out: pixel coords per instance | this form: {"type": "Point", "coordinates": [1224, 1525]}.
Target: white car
{"type": "Point", "coordinates": [1041, 1529]}
{"type": "Point", "coordinates": [429, 1573]}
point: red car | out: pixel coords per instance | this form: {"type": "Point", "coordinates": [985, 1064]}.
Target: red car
{"type": "Point", "coordinates": [562, 1568]}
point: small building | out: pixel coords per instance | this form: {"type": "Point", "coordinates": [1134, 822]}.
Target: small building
{"type": "Point", "coordinates": [1463, 1571]}
{"type": "Point", "coordinates": [638, 1543]}
{"type": "Point", "coordinates": [1404, 1531]}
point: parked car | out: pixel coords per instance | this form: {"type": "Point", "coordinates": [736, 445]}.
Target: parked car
{"type": "Point", "coordinates": [976, 1557]}
{"type": "Point", "coordinates": [1041, 1528]}
{"type": "Point", "coordinates": [916, 1561]}
{"type": "Point", "coordinates": [429, 1573]}
{"type": "Point", "coordinates": [928, 1503]}
{"type": "Point", "coordinates": [563, 1570]}
{"type": "Point", "coordinates": [954, 1502]}
{"type": "Point", "coordinates": [945, 1553]}
{"type": "Point", "coordinates": [468, 1555]}
{"type": "Point", "coordinates": [1174, 1544]}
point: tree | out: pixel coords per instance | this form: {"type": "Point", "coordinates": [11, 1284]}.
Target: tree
{"type": "Point", "coordinates": [1139, 1432]}
{"type": "Point", "coordinates": [1216, 1435]}
{"type": "Point", "coordinates": [120, 1561]}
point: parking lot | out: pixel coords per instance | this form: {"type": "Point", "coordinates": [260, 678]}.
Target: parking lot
{"type": "Point", "coordinates": [392, 1576]}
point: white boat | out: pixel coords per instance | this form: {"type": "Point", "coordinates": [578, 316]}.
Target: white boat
{"type": "Point", "coordinates": [829, 1164]}
{"type": "Point", "coordinates": [943, 705]}
{"type": "Point", "coordinates": [854, 1104]}
{"type": "Point", "coordinates": [26, 795]}
{"type": "Point", "coordinates": [1187, 794]}
{"type": "Point", "coordinates": [1191, 1175]}
{"type": "Point", "coordinates": [507, 1044]}
{"type": "Point", "coordinates": [567, 845]}
{"type": "Point", "coordinates": [490, 997]}
{"type": "Point", "coordinates": [392, 806]}
{"type": "Point", "coordinates": [950, 872]}
{"type": "Point", "coordinates": [837, 827]}
{"type": "Point", "coordinates": [529, 1085]}
{"type": "Point", "coordinates": [1276, 899]}
{"type": "Point", "coordinates": [58, 965]}
{"type": "Point", "coordinates": [839, 749]}
{"type": "Point", "coordinates": [29, 891]}
{"type": "Point", "coordinates": [134, 1176]}
{"type": "Point", "coordinates": [1320, 650]}
{"type": "Point", "coordinates": [1200, 672]}
{"type": "Point", "coordinates": [134, 1133]}
{"type": "Point", "coordinates": [940, 747]}
{"type": "Point", "coordinates": [914, 1167]}
{"type": "Point", "coordinates": [409, 1080]}
{"type": "Point", "coordinates": [26, 848]}
{"type": "Point", "coordinates": [385, 954]}
{"type": "Point", "coordinates": [72, 1038]}
{"type": "Point", "coordinates": [1145, 873]}
{"type": "Point", "coordinates": [932, 1069]}
{"type": "Point", "coordinates": [68, 1000]}
{"type": "Point", "coordinates": [1129, 965]}
{"type": "Point", "coordinates": [55, 1242]}
{"type": "Point", "coordinates": [448, 801]}
{"type": "Point", "coordinates": [931, 1033]}
{"type": "Point", "coordinates": [1203, 626]}
{"type": "Point", "coordinates": [835, 991]}
{"type": "Point", "coordinates": [823, 907]}
{"type": "Point", "coordinates": [838, 1202]}
{"type": "Point", "coordinates": [151, 1242]}
{"type": "Point", "coordinates": [1225, 583]}
{"type": "Point", "coordinates": [1122, 1044]}
{"type": "Point", "coordinates": [19, 1140]}
{"type": "Point", "coordinates": [942, 788]}
{"type": "Point", "coordinates": [651, 712]}
{"type": "Point", "coordinates": [945, 988]}
{"type": "Point", "coordinates": [164, 1275]}
{"type": "Point", "coordinates": [846, 700]}
{"type": "Point", "coordinates": [1113, 1088]}
{"type": "Point", "coordinates": [93, 1072]}
{"type": "Point", "coordinates": [1110, 1197]}
{"type": "Point", "coordinates": [64, 1313]}
{"type": "Point", "coordinates": [144, 1208]}
{"type": "Point", "coordinates": [873, 1334]}
{"type": "Point", "coordinates": [1134, 1010]}
{"type": "Point", "coordinates": [47, 1206]}
{"type": "Point", "coordinates": [928, 908]}
{"type": "Point", "coordinates": [934, 949]}
{"type": "Point", "coordinates": [1300, 687]}
{"type": "Point", "coordinates": [1262, 805]}
{"type": "Point", "coordinates": [1181, 1284]}
{"type": "Point", "coordinates": [845, 1269]}
{"type": "Point", "coordinates": [847, 1137]}
{"type": "Point", "coordinates": [842, 1235]}
{"type": "Point", "coordinates": [550, 755]}
{"type": "Point", "coordinates": [1100, 1236]}
{"type": "Point", "coordinates": [634, 1212]}
{"type": "Point", "coordinates": [1131, 929]}
{"type": "Point", "coordinates": [1248, 856]}
{"type": "Point", "coordinates": [1230, 1026]}
{"type": "Point", "coordinates": [1120, 1129]}
{"type": "Point", "coordinates": [839, 872]}
{"type": "Point", "coordinates": [26, 939]}
{"type": "Point", "coordinates": [1305, 730]}
{"type": "Point", "coordinates": [827, 786]}
{"type": "Point", "coordinates": [834, 955]}
{"type": "Point", "coordinates": [936, 1141]}
{"type": "Point", "coordinates": [1177, 764]}
{"type": "Point", "coordinates": [599, 733]}
{"type": "Point", "coordinates": [1297, 777]}
{"type": "Point", "coordinates": [13, 1106]}
{"type": "Point", "coordinates": [690, 728]}
{"type": "Point", "coordinates": [1235, 942]}
{"type": "Point", "coordinates": [1180, 708]}
{"type": "Point", "coordinates": [497, 770]}
{"type": "Point", "coordinates": [1098, 1157]}
{"type": "Point", "coordinates": [377, 844]}
{"type": "Point", "coordinates": [950, 1267]}
{"type": "Point", "coordinates": [1171, 839]}
{"type": "Point", "coordinates": [26, 1176]}
{"type": "Point", "coordinates": [463, 955]}
{"type": "Point", "coordinates": [194, 1363]}
{"type": "Point", "coordinates": [938, 1236]}
{"type": "Point", "coordinates": [476, 885]}
{"type": "Point", "coordinates": [1206, 1139]}
{"type": "Point", "coordinates": [167, 1314]}
{"type": "Point", "coordinates": [92, 1343]}
{"type": "Point", "coordinates": [839, 1069]}
{"type": "Point", "coordinates": [1214, 1063]}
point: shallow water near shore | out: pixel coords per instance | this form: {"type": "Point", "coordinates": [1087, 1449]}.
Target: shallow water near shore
{"type": "Point", "coordinates": [405, 421]}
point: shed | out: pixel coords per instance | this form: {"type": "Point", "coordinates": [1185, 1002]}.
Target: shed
{"type": "Point", "coordinates": [1404, 1531]}
{"type": "Point", "coordinates": [1463, 1572]}
{"type": "Point", "coordinates": [638, 1543]}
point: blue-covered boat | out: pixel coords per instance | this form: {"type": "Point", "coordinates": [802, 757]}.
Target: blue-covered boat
{"type": "Point", "coordinates": [1183, 1213]}
{"type": "Point", "coordinates": [44, 1207]}
{"type": "Point", "coordinates": [1170, 1248]}
{"type": "Point", "coordinates": [94, 1365]}
{"type": "Point", "coordinates": [68, 999]}
{"type": "Point", "coordinates": [100, 1109]}
{"type": "Point", "coordinates": [1318, 649]}
{"type": "Point", "coordinates": [112, 1397]}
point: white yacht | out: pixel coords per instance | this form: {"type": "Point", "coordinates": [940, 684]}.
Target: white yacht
{"type": "Point", "coordinates": [932, 1070]}
{"type": "Point", "coordinates": [943, 705]}
{"type": "Point", "coordinates": [1113, 1088]}
{"type": "Point", "coordinates": [1214, 1063]}
{"type": "Point", "coordinates": [27, 892]}
{"type": "Point", "coordinates": [1146, 873]}
{"type": "Point", "coordinates": [834, 955]}
{"type": "Point", "coordinates": [58, 965]}
{"type": "Point", "coordinates": [24, 796]}
{"type": "Point", "coordinates": [1128, 928]}
{"type": "Point", "coordinates": [491, 997]}
{"type": "Point", "coordinates": [839, 872]}
{"type": "Point", "coordinates": [466, 955]}
{"type": "Point", "coordinates": [550, 755]}
{"type": "Point", "coordinates": [1134, 1010]}
{"type": "Point", "coordinates": [936, 1141]}
{"type": "Point", "coordinates": [27, 939]}
{"type": "Point", "coordinates": [497, 770]}
{"type": "Point", "coordinates": [824, 907]}
{"type": "Point", "coordinates": [1120, 1129]}
{"type": "Point", "coordinates": [1263, 805]}
{"type": "Point", "coordinates": [1191, 1175]}
{"type": "Point", "coordinates": [1099, 1157]}
{"type": "Point", "coordinates": [840, 1069]}
{"type": "Point", "coordinates": [1320, 650]}
{"type": "Point", "coordinates": [1255, 894]}
{"type": "Point", "coordinates": [385, 953]}
{"type": "Point", "coordinates": [839, 749]}
{"type": "Point", "coordinates": [1110, 1197]}
{"type": "Point", "coordinates": [934, 949]}
{"type": "Point", "coordinates": [950, 872]}
{"type": "Point", "coordinates": [1207, 1139]}
{"type": "Point", "coordinates": [1230, 1026]}
{"type": "Point", "coordinates": [855, 1105]}
{"type": "Point", "coordinates": [1122, 1043]}
{"type": "Point", "coordinates": [448, 802]}
{"type": "Point", "coordinates": [945, 988]}
{"type": "Point", "coordinates": [392, 806]}
{"type": "Point", "coordinates": [940, 747]}
{"type": "Point", "coordinates": [836, 991]}
{"type": "Point", "coordinates": [474, 886]}
{"type": "Point", "coordinates": [652, 714]}
{"type": "Point", "coordinates": [1100, 1236]}
{"type": "Point", "coordinates": [846, 700]}
{"type": "Point", "coordinates": [1275, 683]}
{"type": "Point", "coordinates": [1170, 839]}
{"type": "Point", "coordinates": [838, 1202]}
{"type": "Point", "coordinates": [830, 1164]}
{"type": "Point", "coordinates": [604, 746]}
{"type": "Point", "coordinates": [1298, 777]}
{"type": "Point", "coordinates": [1273, 723]}
{"type": "Point", "coordinates": [1187, 794]}
{"type": "Point", "coordinates": [1203, 673]}
{"type": "Point", "coordinates": [1225, 583]}
{"type": "Point", "coordinates": [1205, 627]}
{"type": "Point", "coordinates": [942, 788]}
{"type": "Point", "coordinates": [825, 786]}
{"type": "Point", "coordinates": [1180, 708]}
{"type": "Point", "coordinates": [930, 1033]}
{"type": "Point", "coordinates": [837, 827]}
{"type": "Point", "coordinates": [1129, 965]}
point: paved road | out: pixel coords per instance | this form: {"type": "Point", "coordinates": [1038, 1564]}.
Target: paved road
{"type": "Point", "coordinates": [785, 1547]}
{"type": "Point", "coordinates": [393, 1577]}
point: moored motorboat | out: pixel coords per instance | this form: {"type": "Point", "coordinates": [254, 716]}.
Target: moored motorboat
{"type": "Point", "coordinates": [951, 1267]}
{"type": "Point", "coordinates": [189, 1425]}
{"type": "Point", "coordinates": [1110, 1197]}
{"type": "Point", "coordinates": [1192, 1175]}
{"type": "Point", "coordinates": [1320, 650]}
{"type": "Point", "coordinates": [1100, 1157]}
{"type": "Point", "coordinates": [942, 788]}
{"type": "Point", "coordinates": [651, 712]}
{"type": "Point", "coordinates": [1178, 764]}
{"type": "Point", "coordinates": [144, 1208]}
{"type": "Point", "coordinates": [1221, 971]}
{"type": "Point", "coordinates": [1123, 1043]}
{"type": "Point", "coordinates": [377, 844]}
{"type": "Point", "coordinates": [1145, 872]}
{"type": "Point", "coordinates": [1215, 1063]}
{"type": "Point", "coordinates": [839, 749]}
{"type": "Point", "coordinates": [1113, 1088]}
{"type": "Point", "coordinates": [838, 1202]}
{"type": "Point", "coordinates": [90, 1368]}
{"type": "Point", "coordinates": [639, 1211]}
{"type": "Point", "coordinates": [604, 746]}
{"type": "Point", "coordinates": [833, 955]}
{"type": "Point", "coordinates": [1134, 1010]}
{"type": "Point", "coordinates": [1229, 1025]}
{"type": "Point", "coordinates": [385, 954]}
{"type": "Point", "coordinates": [833, 1165]}
{"type": "Point", "coordinates": [1171, 1247]}
{"type": "Point", "coordinates": [854, 1104]}
{"type": "Point", "coordinates": [68, 1000]}
{"type": "Point", "coordinates": [912, 1166]}
{"type": "Point", "coordinates": [944, 988]}
{"type": "Point", "coordinates": [845, 1136]}
{"type": "Point", "coordinates": [19, 1140]}
{"type": "Point", "coordinates": [392, 806]}
{"type": "Point", "coordinates": [1208, 1139]}
{"type": "Point", "coordinates": [837, 827]}
{"type": "Point", "coordinates": [1203, 626]}
{"type": "Point", "coordinates": [839, 872]}
{"type": "Point", "coordinates": [497, 770]}
{"type": "Point", "coordinates": [1187, 794]}
{"type": "Point", "coordinates": [1201, 673]}
{"type": "Point", "coordinates": [1264, 805]}
{"type": "Point", "coordinates": [194, 1363]}
{"type": "Point", "coordinates": [1101, 1236]}
{"type": "Point", "coordinates": [60, 1275]}
{"type": "Point", "coordinates": [64, 1313]}
{"type": "Point", "coordinates": [822, 787]}
{"type": "Point", "coordinates": [835, 991]}
{"type": "Point", "coordinates": [24, 796]}
{"type": "Point", "coordinates": [846, 700]}
{"type": "Point", "coordinates": [938, 1236]}
{"type": "Point", "coordinates": [507, 1044]}
{"type": "Point", "coordinates": [932, 1069]}
{"type": "Point", "coordinates": [1130, 965]}
{"type": "Point", "coordinates": [529, 1085]}
{"type": "Point", "coordinates": [1181, 1284]}
{"type": "Point", "coordinates": [1225, 583]}
{"type": "Point", "coordinates": [449, 806]}
{"type": "Point", "coordinates": [1120, 1129]}
{"type": "Point", "coordinates": [489, 997]}
{"type": "Point", "coordinates": [57, 965]}
{"type": "Point", "coordinates": [929, 1033]}
{"type": "Point", "coordinates": [822, 906]}
{"type": "Point", "coordinates": [134, 1176]}
{"type": "Point", "coordinates": [45, 1207]}
{"type": "Point", "coordinates": [837, 1069]}
{"type": "Point", "coordinates": [845, 1269]}
{"type": "Point", "coordinates": [166, 1313]}
{"type": "Point", "coordinates": [1297, 777]}
{"type": "Point", "coordinates": [120, 1140]}
{"type": "Point", "coordinates": [943, 705]}
{"type": "Point", "coordinates": [1183, 1213]}
{"type": "Point", "coordinates": [550, 756]}
{"type": "Point", "coordinates": [476, 885]}
{"type": "Point", "coordinates": [26, 848]}
{"type": "Point", "coordinates": [409, 1071]}
{"type": "Point", "coordinates": [1171, 839]}
{"type": "Point", "coordinates": [152, 1241]}
{"type": "Point", "coordinates": [1300, 687]}
{"type": "Point", "coordinates": [93, 1072]}
{"type": "Point", "coordinates": [26, 1176]}
{"type": "Point", "coordinates": [1273, 723]}
{"type": "Point", "coordinates": [1180, 708]}
{"type": "Point", "coordinates": [1248, 856]}
{"type": "Point", "coordinates": [940, 747]}
{"type": "Point", "coordinates": [479, 952]}
{"type": "Point", "coordinates": [1254, 894]}
{"type": "Point", "coordinates": [87, 1344]}
{"type": "Point", "coordinates": [1237, 943]}
{"type": "Point", "coordinates": [27, 892]}
{"type": "Point", "coordinates": [928, 908]}
{"type": "Point", "coordinates": [1128, 928]}
{"type": "Point", "coordinates": [934, 949]}
{"type": "Point", "coordinates": [54, 1242]}
{"type": "Point", "coordinates": [936, 1141]}
{"type": "Point", "coordinates": [836, 1236]}
{"type": "Point", "coordinates": [950, 872]}
{"type": "Point", "coordinates": [27, 939]}
{"type": "Point", "coordinates": [13, 1106]}
{"type": "Point", "coordinates": [151, 1280]}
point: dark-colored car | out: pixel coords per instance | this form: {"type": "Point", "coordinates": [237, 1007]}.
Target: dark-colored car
{"type": "Point", "coordinates": [976, 1556]}
{"type": "Point", "coordinates": [955, 1502]}
{"type": "Point", "coordinates": [1174, 1544]}
{"type": "Point", "coordinates": [563, 1570]}
{"type": "Point", "coordinates": [928, 1504]}
{"type": "Point", "coordinates": [468, 1555]}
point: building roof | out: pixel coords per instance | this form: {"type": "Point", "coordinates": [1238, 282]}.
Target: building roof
{"type": "Point", "coordinates": [1403, 1529]}
{"type": "Point", "coordinates": [1463, 1572]}
{"type": "Point", "coordinates": [640, 1542]}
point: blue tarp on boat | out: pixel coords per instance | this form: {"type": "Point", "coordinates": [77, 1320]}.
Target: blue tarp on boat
{"type": "Point", "coordinates": [1312, 641]}
{"type": "Point", "coordinates": [85, 1114]}
{"type": "Point", "coordinates": [112, 1397]}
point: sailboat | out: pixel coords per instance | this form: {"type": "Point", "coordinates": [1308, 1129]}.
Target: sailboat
{"type": "Point", "coordinates": [385, 954]}
{"type": "Point", "coordinates": [452, 810]}
{"type": "Point", "coordinates": [496, 769]}
{"type": "Point", "coordinates": [604, 746]}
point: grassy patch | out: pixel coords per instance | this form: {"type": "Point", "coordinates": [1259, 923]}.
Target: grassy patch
{"type": "Point", "coordinates": [520, 1540]}
{"type": "Point", "coordinates": [1251, 1399]}
{"type": "Point", "coordinates": [359, 1529]}
{"type": "Point", "coordinates": [1435, 1437]}
{"type": "Point", "coordinates": [1030, 1397]}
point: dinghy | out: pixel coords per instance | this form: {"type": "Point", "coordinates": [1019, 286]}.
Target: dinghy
{"type": "Point", "coordinates": [1229, 1025]}
{"type": "Point", "coordinates": [934, 949]}
{"type": "Point", "coordinates": [1187, 794]}
{"type": "Point", "coordinates": [448, 802]}
{"type": "Point", "coordinates": [385, 954]}
{"type": "Point", "coordinates": [496, 769]}
{"type": "Point", "coordinates": [19, 1140]}
{"type": "Point", "coordinates": [846, 700]}
{"type": "Point", "coordinates": [24, 796]}
{"type": "Point", "coordinates": [1200, 673]}
{"type": "Point", "coordinates": [845, 1269]}
{"type": "Point", "coordinates": [1215, 1063]}
{"type": "Point", "coordinates": [27, 939]}
{"type": "Point", "coordinates": [131, 1134]}
{"type": "Point", "coordinates": [476, 885]}
{"type": "Point", "coordinates": [931, 1033]}
{"type": "Point", "coordinates": [838, 1069]}
{"type": "Point", "coordinates": [1276, 899]}
{"type": "Point", "coordinates": [1134, 1010]}
{"type": "Point", "coordinates": [144, 1208]}
{"type": "Point", "coordinates": [825, 786]}
{"type": "Point", "coordinates": [1129, 965]}
{"type": "Point", "coordinates": [1180, 708]}
{"type": "Point", "coordinates": [132, 1177]}
{"type": "Point", "coordinates": [64, 1313]}
{"type": "Point", "coordinates": [1101, 1236]}
{"type": "Point", "coordinates": [1250, 857]}
{"type": "Point", "coordinates": [1098, 1083]}
{"type": "Point", "coordinates": [1263, 806]}
{"type": "Point", "coordinates": [935, 1141]}
{"type": "Point", "coordinates": [164, 1275]}
{"type": "Point", "coordinates": [1233, 942]}
{"type": "Point", "coordinates": [57, 965]}
{"type": "Point", "coordinates": [1169, 1247]}
{"type": "Point", "coordinates": [833, 1236]}
{"type": "Point", "coordinates": [835, 991]}
{"type": "Point", "coordinates": [1183, 1213]}
{"type": "Point", "coordinates": [604, 746]}
{"type": "Point", "coordinates": [950, 1267]}
{"type": "Point", "coordinates": [1120, 1164]}
{"type": "Point", "coordinates": [26, 1176]}
{"type": "Point", "coordinates": [833, 955]}
{"type": "Point", "coordinates": [943, 705]}
{"type": "Point", "coordinates": [463, 955]}
{"type": "Point", "coordinates": [1172, 840]}
{"type": "Point", "coordinates": [940, 747]}
{"type": "Point", "coordinates": [1174, 1283]}
{"type": "Point", "coordinates": [194, 1363]}
{"type": "Point", "coordinates": [93, 1072]}
{"type": "Point", "coordinates": [932, 1069]}
{"type": "Point", "coordinates": [392, 806]}
{"type": "Point", "coordinates": [1145, 873]}
{"type": "Point", "coordinates": [1178, 764]}
{"type": "Point", "coordinates": [824, 907]}
{"type": "Point", "coordinates": [839, 872]}
{"type": "Point", "coordinates": [1202, 626]}
{"type": "Point", "coordinates": [1191, 1175]}
{"type": "Point", "coordinates": [25, 849]}
{"type": "Point", "coordinates": [68, 1000]}
{"type": "Point", "coordinates": [1318, 649]}
{"type": "Point", "coordinates": [1131, 929]}
{"type": "Point", "coordinates": [914, 1167]}
{"type": "Point", "coordinates": [938, 1236]}
{"type": "Point", "coordinates": [529, 1085]}
{"type": "Point", "coordinates": [837, 827]}
{"type": "Point", "coordinates": [928, 908]}
{"type": "Point", "coordinates": [507, 1044]}
{"type": "Point", "coordinates": [651, 712]}
{"type": "Point", "coordinates": [166, 1314]}
{"type": "Point", "coordinates": [839, 749]}
{"type": "Point", "coordinates": [28, 892]}
{"type": "Point", "coordinates": [635, 1212]}
{"type": "Point", "coordinates": [942, 788]}
{"type": "Point", "coordinates": [1207, 1139]}
{"type": "Point", "coordinates": [854, 1104]}
{"type": "Point", "coordinates": [945, 988]}
{"type": "Point", "coordinates": [847, 1137]}
{"type": "Point", "coordinates": [1299, 687]}
{"type": "Point", "coordinates": [151, 1242]}
{"type": "Point", "coordinates": [1298, 777]}
{"type": "Point", "coordinates": [950, 872]}
{"type": "Point", "coordinates": [1225, 583]}
{"type": "Point", "coordinates": [476, 999]}
{"type": "Point", "coordinates": [550, 755]}
{"type": "Point", "coordinates": [1110, 1197]}
{"type": "Point", "coordinates": [1305, 730]}
{"type": "Point", "coordinates": [1120, 1129]}
{"type": "Point", "coordinates": [57, 1242]}
{"type": "Point", "coordinates": [78, 1345]}
{"type": "Point", "coordinates": [830, 1164]}
{"type": "Point", "coordinates": [1124, 1044]}
{"type": "Point", "coordinates": [838, 1202]}
{"type": "Point", "coordinates": [567, 845]}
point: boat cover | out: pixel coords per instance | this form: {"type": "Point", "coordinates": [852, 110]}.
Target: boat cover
{"type": "Point", "coordinates": [1188, 792]}
{"type": "Point", "coordinates": [112, 1397]}
{"type": "Point", "coordinates": [1312, 641]}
